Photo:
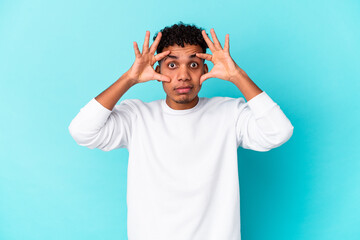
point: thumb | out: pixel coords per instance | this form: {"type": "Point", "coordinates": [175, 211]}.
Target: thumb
{"type": "Point", "coordinates": [204, 77]}
{"type": "Point", "coordinates": [161, 77]}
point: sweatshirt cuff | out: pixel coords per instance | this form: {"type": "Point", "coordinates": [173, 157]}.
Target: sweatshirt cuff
{"type": "Point", "coordinates": [260, 104]}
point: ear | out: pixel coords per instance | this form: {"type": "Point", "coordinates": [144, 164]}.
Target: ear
{"type": "Point", "coordinates": [206, 69]}
{"type": "Point", "coordinates": [157, 69]}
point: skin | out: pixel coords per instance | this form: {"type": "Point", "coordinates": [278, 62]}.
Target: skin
{"type": "Point", "coordinates": [183, 72]}
{"type": "Point", "coordinates": [225, 67]}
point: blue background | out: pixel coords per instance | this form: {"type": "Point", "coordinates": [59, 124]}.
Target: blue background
{"type": "Point", "coordinates": [57, 55]}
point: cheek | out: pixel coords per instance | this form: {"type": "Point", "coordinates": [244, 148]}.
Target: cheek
{"type": "Point", "coordinates": [168, 74]}
{"type": "Point", "coordinates": [197, 75]}
{"type": "Point", "coordinates": [167, 86]}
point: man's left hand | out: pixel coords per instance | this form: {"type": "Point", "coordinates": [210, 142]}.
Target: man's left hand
{"type": "Point", "coordinates": [224, 66]}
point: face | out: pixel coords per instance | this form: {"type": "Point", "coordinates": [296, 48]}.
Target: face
{"type": "Point", "coordinates": [184, 69]}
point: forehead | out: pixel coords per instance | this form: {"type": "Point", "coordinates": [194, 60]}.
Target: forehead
{"type": "Point", "coordinates": [185, 51]}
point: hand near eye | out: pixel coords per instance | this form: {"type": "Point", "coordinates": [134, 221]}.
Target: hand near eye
{"type": "Point", "coordinates": [142, 69]}
{"type": "Point", "coordinates": [224, 66]}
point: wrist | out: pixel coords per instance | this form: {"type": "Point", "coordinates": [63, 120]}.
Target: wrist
{"type": "Point", "coordinates": [126, 77]}
{"type": "Point", "coordinates": [238, 74]}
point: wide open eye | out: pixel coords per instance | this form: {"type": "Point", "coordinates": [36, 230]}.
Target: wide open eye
{"type": "Point", "coordinates": [171, 65]}
{"type": "Point", "coordinates": [194, 64]}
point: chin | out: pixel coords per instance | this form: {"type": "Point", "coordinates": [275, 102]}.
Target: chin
{"type": "Point", "coordinates": [184, 99]}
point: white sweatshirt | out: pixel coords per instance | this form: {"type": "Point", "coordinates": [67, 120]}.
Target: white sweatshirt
{"type": "Point", "coordinates": [182, 173]}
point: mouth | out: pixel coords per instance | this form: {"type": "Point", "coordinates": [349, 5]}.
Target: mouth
{"type": "Point", "coordinates": [183, 89]}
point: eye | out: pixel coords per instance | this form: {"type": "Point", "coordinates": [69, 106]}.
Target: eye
{"type": "Point", "coordinates": [194, 64]}
{"type": "Point", "coordinates": [171, 65]}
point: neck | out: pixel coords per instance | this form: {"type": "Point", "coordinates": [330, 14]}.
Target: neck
{"type": "Point", "coordinates": [182, 105]}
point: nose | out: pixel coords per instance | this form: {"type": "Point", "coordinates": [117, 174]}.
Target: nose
{"type": "Point", "coordinates": [183, 74]}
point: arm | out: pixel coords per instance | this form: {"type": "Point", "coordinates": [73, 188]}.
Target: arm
{"type": "Point", "coordinates": [260, 123]}
{"type": "Point", "coordinates": [141, 71]}
{"type": "Point", "coordinates": [109, 97]}
{"type": "Point", "coordinates": [225, 67]}
{"type": "Point", "coordinates": [246, 86]}
{"type": "Point", "coordinates": [100, 123]}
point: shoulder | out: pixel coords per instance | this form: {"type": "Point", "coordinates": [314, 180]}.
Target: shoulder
{"type": "Point", "coordinates": [137, 105]}
{"type": "Point", "coordinates": [223, 102]}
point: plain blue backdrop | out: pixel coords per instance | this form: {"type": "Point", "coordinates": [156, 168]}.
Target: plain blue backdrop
{"type": "Point", "coordinates": [57, 55]}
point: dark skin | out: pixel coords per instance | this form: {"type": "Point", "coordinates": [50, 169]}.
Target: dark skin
{"type": "Point", "coordinates": [225, 67]}
{"type": "Point", "coordinates": [182, 72]}
{"type": "Point", "coordinates": [141, 71]}
{"type": "Point", "coordinates": [184, 68]}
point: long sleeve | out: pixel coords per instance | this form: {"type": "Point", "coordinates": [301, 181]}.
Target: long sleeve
{"type": "Point", "coordinates": [97, 127]}
{"type": "Point", "coordinates": [260, 124]}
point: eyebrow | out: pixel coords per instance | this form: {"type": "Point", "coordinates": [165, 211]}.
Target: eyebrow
{"type": "Point", "coordinates": [175, 57]}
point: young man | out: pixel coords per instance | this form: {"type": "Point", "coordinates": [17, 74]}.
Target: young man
{"type": "Point", "coordinates": [182, 173]}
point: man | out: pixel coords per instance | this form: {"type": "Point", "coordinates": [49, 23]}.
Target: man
{"type": "Point", "coordinates": [182, 173]}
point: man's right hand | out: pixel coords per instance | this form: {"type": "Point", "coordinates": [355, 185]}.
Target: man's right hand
{"type": "Point", "coordinates": [142, 69]}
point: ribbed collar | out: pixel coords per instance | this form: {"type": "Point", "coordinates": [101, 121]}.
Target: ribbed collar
{"type": "Point", "coordinates": [168, 109]}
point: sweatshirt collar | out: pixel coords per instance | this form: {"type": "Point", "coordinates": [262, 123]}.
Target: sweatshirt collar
{"type": "Point", "coordinates": [166, 108]}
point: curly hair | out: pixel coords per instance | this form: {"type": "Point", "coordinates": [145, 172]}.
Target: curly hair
{"type": "Point", "coordinates": [180, 34]}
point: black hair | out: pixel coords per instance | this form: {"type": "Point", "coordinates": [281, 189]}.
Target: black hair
{"type": "Point", "coordinates": [180, 34]}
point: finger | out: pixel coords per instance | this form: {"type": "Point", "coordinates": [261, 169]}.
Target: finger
{"type": "Point", "coordinates": [146, 42]}
{"type": "Point", "coordinates": [205, 76]}
{"type": "Point", "coordinates": [136, 49]}
{"type": "Point", "coordinates": [155, 43]}
{"type": "Point", "coordinates": [208, 41]}
{"type": "Point", "coordinates": [160, 56]}
{"type": "Point", "coordinates": [226, 46]}
{"type": "Point", "coordinates": [204, 56]}
{"type": "Point", "coordinates": [161, 77]}
{"type": "Point", "coordinates": [215, 39]}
